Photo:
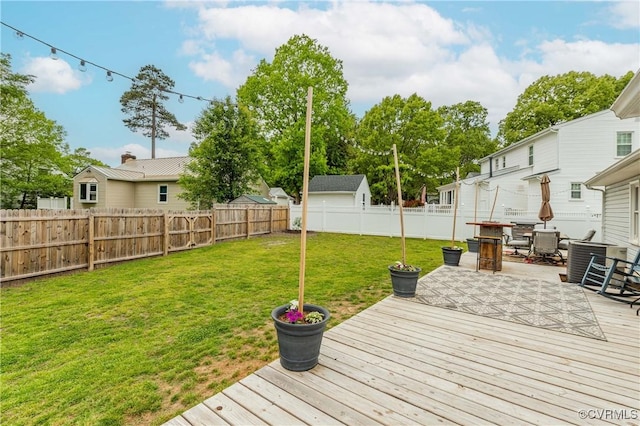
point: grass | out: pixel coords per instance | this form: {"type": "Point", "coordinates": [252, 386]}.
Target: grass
{"type": "Point", "coordinates": [140, 342]}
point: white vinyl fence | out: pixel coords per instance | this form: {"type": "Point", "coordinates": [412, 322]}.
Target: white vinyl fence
{"type": "Point", "coordinates": [433, 221]}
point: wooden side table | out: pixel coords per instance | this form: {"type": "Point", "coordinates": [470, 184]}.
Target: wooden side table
{"type": "Point", "coordinates": [490, 253]}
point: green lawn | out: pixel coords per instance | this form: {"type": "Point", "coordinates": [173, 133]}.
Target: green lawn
{"type": "Point", "coordinates": [140, 342]}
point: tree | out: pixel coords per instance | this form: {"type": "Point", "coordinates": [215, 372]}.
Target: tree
{"type": "Point", "coordinates": [35, 160]}
{"type": "Point", "coordinates": [224, 155]}
{"type": "Point", "coordinates": [467, 132]}
{"type": "Point", "coordinates": [144, 105]}
{"type": "Point", "coordinates": [276, 94]}
{"type": "Point", "coordinates": [416, 130]}
{"type": "Point", "coordinates": [552, 100]}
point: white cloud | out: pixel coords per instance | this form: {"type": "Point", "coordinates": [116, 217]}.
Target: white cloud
{"type": "Point", "coordinates": [624, 14]}
{"type": "Point", "coordinates": [54, 76]}
{"type": "Point", "coordinates": [403, 48]}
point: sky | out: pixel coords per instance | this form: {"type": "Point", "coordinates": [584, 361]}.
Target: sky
{"type": "Point", "coordinates": [445, 51]}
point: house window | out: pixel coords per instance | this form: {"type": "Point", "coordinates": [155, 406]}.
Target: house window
{"type": "Point", "coordinates": [531, 155]}
{"type": "Point", "coordinates": [634, 212]}
{"type": "Point", "coordinates": [497, 163]}
{"type": "Point", "coordinates": [504, 162]}
{"type": "Point", "coordinates": [623, 144]}
{"type": "Point", "coordinates": [163, 193]}
{"type": "Point", "coordinates": [88, 192]}
{"type": "Point", "coordinates": [576, 191]}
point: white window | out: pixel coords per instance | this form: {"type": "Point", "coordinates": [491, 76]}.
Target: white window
{"type": "Point", "coordinates": [634, 212]}
{"type": "Point", "coordinates": [576, 191]}
{"type": "Point", "coordinates": [504, 162]}
{"type": "Point", "coordinates": [531, 155]}
{"type": "Point", "coordinates": [623, 144]}
{"type": "Point", "coordinates": [163, 193]}
{"type": "Point", "coordinates": [497, 163]}
{"type": "Point", "coordinates": [88, 192]}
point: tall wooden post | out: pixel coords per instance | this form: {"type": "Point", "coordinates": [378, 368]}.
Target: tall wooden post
{"type": "Point", "coordinates": [305, 197]}
{"type": "Point", "coordinates": [395, 160]}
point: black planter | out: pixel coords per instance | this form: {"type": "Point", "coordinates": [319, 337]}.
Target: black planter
{"type": "Point", "coordinates": [451, 256]}
{"type": "Point", "coordinates": [473, 245]}
{"type": "Point", "coordinates": [299, 344]}
{"type": "Point", "coordinates": [404, 282]}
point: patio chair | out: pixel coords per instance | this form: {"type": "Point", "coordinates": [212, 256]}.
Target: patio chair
{"type": "Point", "coordinates": [606, 273]}
{"type": "Point", "coordinates": [545, 245]}
{"type": "Point", "coordinates": [523, 243]}
{"type": "Point", "coordinates": [564, 244]}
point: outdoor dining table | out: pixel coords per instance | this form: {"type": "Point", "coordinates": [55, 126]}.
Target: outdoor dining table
{"type": "Point", "coordinates": [490, 244]}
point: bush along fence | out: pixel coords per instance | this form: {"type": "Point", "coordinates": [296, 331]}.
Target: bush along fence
{"type": "Point", "coordinates": [40, 242]}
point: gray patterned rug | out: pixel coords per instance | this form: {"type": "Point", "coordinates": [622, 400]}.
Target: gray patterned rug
{"type": "Point", "coordinates": [524, 300]}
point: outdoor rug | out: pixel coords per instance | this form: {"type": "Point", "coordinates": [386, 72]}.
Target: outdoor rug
{"type": "Point", "coordinates": [524, 300]}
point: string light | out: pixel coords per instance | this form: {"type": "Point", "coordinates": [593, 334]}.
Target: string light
{"type": "Point", "coordinates": [83, 64]}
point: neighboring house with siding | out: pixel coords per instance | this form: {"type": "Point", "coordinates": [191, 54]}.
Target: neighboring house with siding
{"type": "Point", "coordinates": [620, 182]}
{"type": "Point", "coordinates": [148, 183]}
{"type": "Point", "coordinates": [339, 190]}
{"type": "Point", "coordinates": [280, 197]}
{"type": "Point", "coordinates": [568, 153]}
{"type": "Point", "coordinates": [144, 184]}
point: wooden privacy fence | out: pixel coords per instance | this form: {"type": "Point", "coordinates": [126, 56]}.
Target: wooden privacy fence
{"type": "Point", "coordinates": [40, 242]}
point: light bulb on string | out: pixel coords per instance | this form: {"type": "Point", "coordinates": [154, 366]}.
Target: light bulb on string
{"type": "Point", "coordinates": [82, 66]}
{"type": "Point", "coordinates": [109, 76]}
{"type": "Point", "coordinates": [181, 99]}
{"type": "Point", "coordinates": [19, 35]}
{"type": "Point", "coordinates": [54, 54]}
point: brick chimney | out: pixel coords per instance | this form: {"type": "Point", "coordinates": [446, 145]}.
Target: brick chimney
{"type": "Point", "coordinates": [126, 157]}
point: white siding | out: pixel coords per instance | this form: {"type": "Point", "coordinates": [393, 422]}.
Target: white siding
{"type": "Point", "coordinates": [342, 199]}
{"type": "Point", "coordinates": [615, 219]}
{"type": "Point", "coordinates": [572, 153]}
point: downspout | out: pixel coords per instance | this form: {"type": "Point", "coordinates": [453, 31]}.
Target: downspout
{"type": "Point", "coordinates": [602, 221]}
{"type": "Point", "coordinates": [490, 167]}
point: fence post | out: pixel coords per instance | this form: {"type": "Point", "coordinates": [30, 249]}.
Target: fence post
{"type": "Point", "coordinates": [213, 224]}
{"type": "Point", "coordinates": [165, 248]}
{"type": "Point", "coordinates": [271, 219]}
{"type": "Point", "coordinates": [91, 242]}
{"type": "Point", "coordinates": [248, 222]}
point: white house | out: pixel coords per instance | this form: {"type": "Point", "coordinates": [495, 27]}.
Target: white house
{"type": "Point", "coordinates": [568, 153]}
{"type": "Point", "coordinates": [279, 196]}
{"type": "Point", "coordinates": [339, 190]}
{"type": "Point", "coordinates": [620, 182]}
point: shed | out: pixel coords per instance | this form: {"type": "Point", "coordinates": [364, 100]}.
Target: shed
{"type": "Point", "coordinates": [339, 190]}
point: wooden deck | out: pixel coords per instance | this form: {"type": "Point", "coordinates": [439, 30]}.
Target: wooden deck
{"type": "Point", "coordinates": [400, 362]}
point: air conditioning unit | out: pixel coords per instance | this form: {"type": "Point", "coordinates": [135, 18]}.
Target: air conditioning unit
{"type": "Point", "coordinates": [616, 251]}
{"type": "Point", "coordinates": [579, 257]}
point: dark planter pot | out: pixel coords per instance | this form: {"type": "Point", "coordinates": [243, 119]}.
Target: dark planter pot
{"type": "Point", "coordinates": [473, 245]}
{"type": "Point", "coordinates": [404, 282]}
{"type": "Point", "coordinates": [451, 256]}
{"type": "Point", "coordinates": [299, 344]}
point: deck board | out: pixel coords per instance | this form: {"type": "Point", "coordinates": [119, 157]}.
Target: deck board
{"type": "Point", "coordinates": [401, 362]}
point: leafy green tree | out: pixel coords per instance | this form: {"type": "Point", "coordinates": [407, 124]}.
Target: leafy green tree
{"type": "Point", "coordinates": [468, 133]}
{"type": "Point", "coordinates": [416, 130]}
{"type": "Point", "coordinates": [225, 155]}
{"type": "Point", "coordinates": [552, 100]}
{"type": "Point", "coordinates": [35, 161]}
{"type": "Point", "coordinates": [143, 103]}
{"type": "Point", "coordinates": [276, 94]}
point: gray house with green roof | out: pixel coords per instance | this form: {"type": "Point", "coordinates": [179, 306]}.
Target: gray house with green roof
{"type": "Point", "coordinates": [339, 190]}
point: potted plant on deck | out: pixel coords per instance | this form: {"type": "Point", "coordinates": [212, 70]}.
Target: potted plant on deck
{"type": "Point", "coordinates": [452, 253]}
{"type": "Point", "coordinates": [300, 326]}
{"type": "Point", "coordinates": [404, 278]}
